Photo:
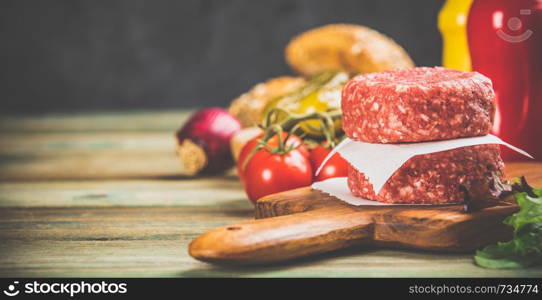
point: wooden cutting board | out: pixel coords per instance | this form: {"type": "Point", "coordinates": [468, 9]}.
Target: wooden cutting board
{"type": "Point", "coordinates": [304, 222]}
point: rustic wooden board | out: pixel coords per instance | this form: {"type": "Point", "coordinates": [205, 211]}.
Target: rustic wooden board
{"type": "Point", "coordinates": [136, 218]}
{"type": "Point", "coordinates": [335, 226]}
{"type": "Point", "coordinates": [306, 222]}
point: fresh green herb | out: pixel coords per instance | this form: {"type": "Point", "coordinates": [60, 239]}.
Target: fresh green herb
{"type": "Point", "coordinates": [525, 249]}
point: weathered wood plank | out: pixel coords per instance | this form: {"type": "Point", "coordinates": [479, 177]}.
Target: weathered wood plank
{"type": "Point", "coordinates": [53, 223]}
{"type": "Point", "coordinates": [113, 155]}
{"type": "Point", "coordinates": [95, 241]}
{"type": "Point", "coordinates": [89, 145]}
{"type": "Point", "coordinates": [87, 156]}
{"type": "Point", "coordinates": [165, 190]}
{"type": "Point", "coordinates": [138, 121]}
{"type": "Point", "coordinates": [112, 242]}
{"type": "Point", "coordinates": [69, 143]}
{"type": "Point", "coordinates": [223, 192]}
{"type": "Point", "coordinates": [69, 156]}
{"type": "Point", "coordinates": [77, 167]}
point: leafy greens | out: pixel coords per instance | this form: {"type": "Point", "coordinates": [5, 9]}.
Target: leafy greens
{"type": "Point", "coordinates": [525, 248]}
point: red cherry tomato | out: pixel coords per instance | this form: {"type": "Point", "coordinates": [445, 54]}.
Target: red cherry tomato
{"type": "Point", "coordinates": [336, 166]}
{"type": "Point", "coordinates": [272, 142]}
{"type": "Point", "coordinates": [267, 173]}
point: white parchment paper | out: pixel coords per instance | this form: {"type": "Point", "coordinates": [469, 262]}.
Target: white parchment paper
{"type": "Point", "coordinates": [338, 187]}
{"type": "Point", "coordinates": [378, 162]}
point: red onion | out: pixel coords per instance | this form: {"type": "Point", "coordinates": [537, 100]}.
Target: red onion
{"type": "Point", "coordinates": [204, 141]}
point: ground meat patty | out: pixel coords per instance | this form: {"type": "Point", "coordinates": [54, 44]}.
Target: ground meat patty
{"type": "Point", "coordinates": [419, 104]}
{"type": "Point", "coordinates": [433, 178]}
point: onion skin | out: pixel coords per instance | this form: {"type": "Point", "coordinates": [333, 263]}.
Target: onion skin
{"type": "Point", "coordinates": [211, 129]}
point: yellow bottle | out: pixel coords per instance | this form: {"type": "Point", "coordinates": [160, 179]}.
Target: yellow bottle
{"type": "Point", "coordinates": [452, 22]}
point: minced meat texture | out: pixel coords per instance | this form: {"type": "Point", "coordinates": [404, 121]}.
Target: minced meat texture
{"type": "Point", "coordinates": [419, 104]}
{"type": "Point", "coordinates": [433, 178]}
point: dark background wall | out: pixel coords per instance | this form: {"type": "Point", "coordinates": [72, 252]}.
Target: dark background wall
{"type": "Point", "coordinates": [111, 55]}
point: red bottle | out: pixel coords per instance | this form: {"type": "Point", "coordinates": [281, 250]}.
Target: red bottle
{"type": "Point", "coordinates": [505, 42]}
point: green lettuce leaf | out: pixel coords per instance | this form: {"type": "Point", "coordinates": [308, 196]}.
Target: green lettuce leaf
{"type": "Point", "coordinates": [530, 210]}
{"type": "Point", "coordinates": [525, 249]}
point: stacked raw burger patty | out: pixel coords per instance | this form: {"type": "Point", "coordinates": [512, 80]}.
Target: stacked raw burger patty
{"type": "Point", "coordinates": [421, 105]}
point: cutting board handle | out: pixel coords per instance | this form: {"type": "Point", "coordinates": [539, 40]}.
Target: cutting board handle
{"type": "Point", "coordinates": [285, 237]}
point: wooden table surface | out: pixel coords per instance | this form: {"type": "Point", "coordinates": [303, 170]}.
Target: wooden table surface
{"type": "Point", "coordinates": [100, 195]}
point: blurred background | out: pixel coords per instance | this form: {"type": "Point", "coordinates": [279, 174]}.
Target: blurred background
{"type": "Point", "coordinates": [117, 55]}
